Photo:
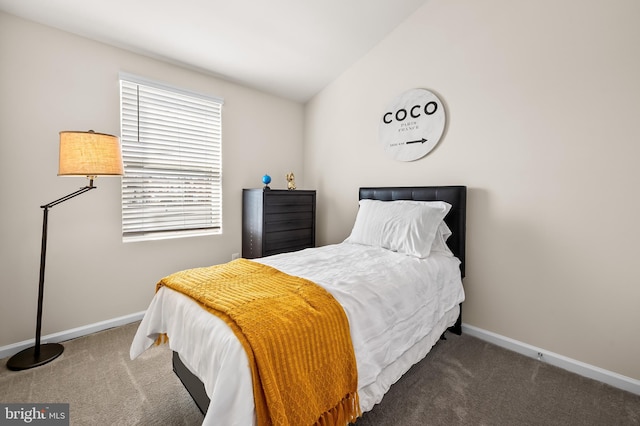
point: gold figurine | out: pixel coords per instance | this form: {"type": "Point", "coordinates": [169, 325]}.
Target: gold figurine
{"type": "Point", "coordinates": [291, 184]}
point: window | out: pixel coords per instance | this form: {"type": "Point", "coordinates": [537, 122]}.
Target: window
{"type": "Point", "coordinates": [171, 149]}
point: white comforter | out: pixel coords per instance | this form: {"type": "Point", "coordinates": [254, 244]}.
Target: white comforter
{"type": "Point", "coordinates": [397, 308]}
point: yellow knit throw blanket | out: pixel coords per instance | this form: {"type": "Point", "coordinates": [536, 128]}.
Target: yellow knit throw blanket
{"type": "Point", "coordinates": [296, 336]}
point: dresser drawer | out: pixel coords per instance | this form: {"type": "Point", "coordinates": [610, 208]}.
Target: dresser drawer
{"type": "Point", "coordinates": [285, 249]}
{"type": "Point", "coordinates": [279, 204]}
{"type": "Point", "coordinates": [279, 242]}
{"type": "Point", "coordinates": [289, 220]}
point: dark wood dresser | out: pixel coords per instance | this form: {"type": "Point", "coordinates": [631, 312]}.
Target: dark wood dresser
{"type": "Point", "coordinates": [277, 221]}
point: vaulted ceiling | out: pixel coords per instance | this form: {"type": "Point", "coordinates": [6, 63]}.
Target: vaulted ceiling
{"type": "Point", "coordinates": [290, 48]}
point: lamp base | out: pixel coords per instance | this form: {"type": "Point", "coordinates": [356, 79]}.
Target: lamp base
{"type": "Point", "coordinates": [27, 358]}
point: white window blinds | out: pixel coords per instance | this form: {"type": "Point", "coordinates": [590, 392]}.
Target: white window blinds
{"type": "Point", "coordinates": [171, 149]}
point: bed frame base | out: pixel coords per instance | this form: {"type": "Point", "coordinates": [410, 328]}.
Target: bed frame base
{"type": "Point", "coordinates": [191, 383]}
{"type": "Point", "coordinates": [457, 327]}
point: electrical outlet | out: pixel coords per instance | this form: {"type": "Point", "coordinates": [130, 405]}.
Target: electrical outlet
{"type": "Point", "coordinates": [539, 356]}
{"type": "Point", "coordinates": [234, 256]}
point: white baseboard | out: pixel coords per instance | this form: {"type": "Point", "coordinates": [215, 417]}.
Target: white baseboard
{"type": "Point", "coordinates": [9, 350]}
{"type": "Point", "coordinates": [586, 370]}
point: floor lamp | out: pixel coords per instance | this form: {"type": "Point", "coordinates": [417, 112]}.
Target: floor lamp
{"type": "Point", "coordinates": [87, 154]}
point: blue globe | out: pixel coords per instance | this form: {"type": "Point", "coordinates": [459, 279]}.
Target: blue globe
{"type": "Point", "coordinates": [266, 179]}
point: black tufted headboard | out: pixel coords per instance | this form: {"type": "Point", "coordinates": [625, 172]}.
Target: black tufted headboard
{"type": "Point", "coordinates": [456, 219]}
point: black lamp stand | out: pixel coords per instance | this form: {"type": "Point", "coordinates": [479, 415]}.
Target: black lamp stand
{"type": "Point", "coordinates": [38, 355]}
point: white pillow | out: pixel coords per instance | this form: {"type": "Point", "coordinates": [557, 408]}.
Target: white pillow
{"type": "Point", "coordinates": [404, 226]}
{"type": "Point", "coordinates": [440, 241]}
{"type": "Point", "coordinates": [443, 233]}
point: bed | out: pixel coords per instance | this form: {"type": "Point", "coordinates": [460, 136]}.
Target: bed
{"type": "Point", "coordinates": [220, 381]}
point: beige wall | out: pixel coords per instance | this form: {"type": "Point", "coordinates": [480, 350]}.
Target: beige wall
{"type": "Point", "coordinates": [52, 81]}
{"type": "Point", "coordinates": [543, 108]}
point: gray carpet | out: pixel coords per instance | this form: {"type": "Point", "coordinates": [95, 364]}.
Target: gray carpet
{"type": "Point", "coordinates": [466, 381]}
{"type": "Point", "coordinates": [103, 386]}
{"type": "Point", "coordinates": [463, 381]}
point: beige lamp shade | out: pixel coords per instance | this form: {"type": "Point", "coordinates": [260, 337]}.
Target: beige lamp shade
{"type": "Point", "coordinates": [89, 154]}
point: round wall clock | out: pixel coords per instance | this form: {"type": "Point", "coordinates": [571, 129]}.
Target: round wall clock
{"type": "Point", "coordinates": [412, 125]}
